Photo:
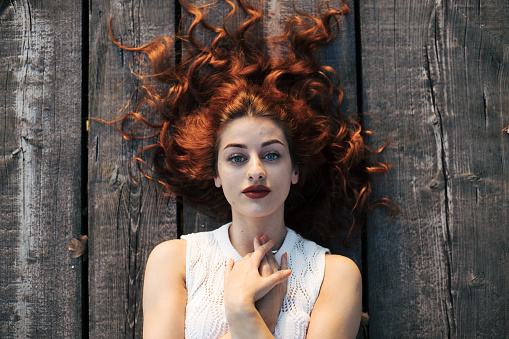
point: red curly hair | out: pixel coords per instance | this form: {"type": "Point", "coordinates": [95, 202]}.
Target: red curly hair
{"type": "Point", "coordinates": [235, 76]}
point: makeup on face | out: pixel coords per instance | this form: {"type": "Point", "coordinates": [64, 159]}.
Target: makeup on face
{"type": "Point", "coordinates": [256, 191]}
{"type": "Point", "coordinates": [254, 166]}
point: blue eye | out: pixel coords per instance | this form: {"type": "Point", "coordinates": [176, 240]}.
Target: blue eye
{"type": "Point", "coordinates": [272, 156]}
{"type": "Point", "coordinates": [236, 159]}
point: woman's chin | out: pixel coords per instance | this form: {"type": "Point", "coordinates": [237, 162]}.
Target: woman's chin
{"type": "Point", "coordinates": [258, 212]}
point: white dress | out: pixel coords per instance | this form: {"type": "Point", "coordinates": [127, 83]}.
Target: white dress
{"type": "Point", "coordinates": [206, 257]}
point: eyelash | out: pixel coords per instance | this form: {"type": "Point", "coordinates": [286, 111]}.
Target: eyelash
{"type": "Point", "coordinates": [277, 156]}
{"type": "Point", "coordinates": [231, 158]}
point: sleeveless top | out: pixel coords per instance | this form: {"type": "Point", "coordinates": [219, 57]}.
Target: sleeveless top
{"type": "Point", "coordinates": [206, 257]}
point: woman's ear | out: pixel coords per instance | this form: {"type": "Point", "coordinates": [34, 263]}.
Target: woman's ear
{"type": "Point", "coordinates": [217, 182]}
{"type": "Point", "coordinates": [295, 176]}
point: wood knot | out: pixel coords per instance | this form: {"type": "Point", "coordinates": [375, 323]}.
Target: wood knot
{"type": "Point", "coordinates": [476, 282]}
{"type": "Point", "coordinates": [436, 184]}
{"type": "Point", "coordinates": [16, 151]}
{"type": "Point", "coordinates": [471, 177]}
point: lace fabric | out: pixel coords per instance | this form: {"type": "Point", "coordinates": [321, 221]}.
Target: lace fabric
{"type": "Point", "coordinates": [207, 255]}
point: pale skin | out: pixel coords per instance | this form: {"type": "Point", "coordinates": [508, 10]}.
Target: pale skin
{"type": "Point", "coordinates": [252, 151]}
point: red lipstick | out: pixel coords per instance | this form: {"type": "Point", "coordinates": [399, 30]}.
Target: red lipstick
{"type": "Point", "coordinates": [256, 191]}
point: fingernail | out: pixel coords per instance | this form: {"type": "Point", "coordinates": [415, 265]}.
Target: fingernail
{"type": "Point", "coordinates": [265, 236]}
{"type": "Point", "coordinates": [288, 273]}
{"type": "Point", "coordinates": [285, 255]}
{"type": "Point", "coordinates": [257, 237]}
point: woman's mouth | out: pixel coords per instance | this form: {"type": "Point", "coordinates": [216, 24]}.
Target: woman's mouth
{"type": "Point", "coordinates": [256, 191]}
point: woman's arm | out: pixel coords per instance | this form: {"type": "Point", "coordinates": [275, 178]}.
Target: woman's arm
{"type": "Point", "coordinates": [243, 286]}
{"type": "Point", "coordinates": [165, 294]}
{"type": "Point", "coordinates": [337, 311]}
{"type": "Point", "coordinates": [164, 291]}
{"type": "Point", "coordinates": [270, 305]}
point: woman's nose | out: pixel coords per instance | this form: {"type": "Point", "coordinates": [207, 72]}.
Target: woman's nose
{"type": "Point", "coordinates": [255, 169]}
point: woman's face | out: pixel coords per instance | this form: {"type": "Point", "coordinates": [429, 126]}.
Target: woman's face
{"type": "Point", "coordinates": [254, 167]}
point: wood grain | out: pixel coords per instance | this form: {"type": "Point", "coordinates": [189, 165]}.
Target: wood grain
{"type": "Point", "coordinates": [192, 220]}
{"type": "Point", "coordinates": [340, 54]}
{"type": "Point", "coordinates": [126, 220]}
{"type": "Point", "coordinates": [435, 80]}
{"type": "Point", "coordinates": [40, 168]}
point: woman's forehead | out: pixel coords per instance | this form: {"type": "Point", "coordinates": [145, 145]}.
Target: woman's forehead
{"type": "Point", "coordinates": [251, 131]}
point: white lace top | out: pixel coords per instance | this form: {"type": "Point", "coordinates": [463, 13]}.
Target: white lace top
{"type": "Point", "coordinates": [206, 258]}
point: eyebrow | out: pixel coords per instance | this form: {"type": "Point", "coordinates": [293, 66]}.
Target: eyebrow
{"type": "Point", "coordinates": [265, 144]}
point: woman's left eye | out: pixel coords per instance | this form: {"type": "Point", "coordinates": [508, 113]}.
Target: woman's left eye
{"type": "Point", "coordinates": [272, 156]}
{"type": "Point", "coordinates": [236, 159]}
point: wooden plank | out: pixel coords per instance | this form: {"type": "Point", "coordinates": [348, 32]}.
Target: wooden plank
{"type": "Point", "coordinates": [126, 221]}
{"type": "Point", "coordinates": [40, 168]}
{"type": "Point", "coordinates": [192, 220]}
{"type": "Point", "coordinates": [435, 79]}
{"type": "Point", "coordinates": [339, 54]}
{"type": "Point", "coordinates": [468, 60]}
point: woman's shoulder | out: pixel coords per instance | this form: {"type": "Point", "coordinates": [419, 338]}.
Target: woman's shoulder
{"type": "Point", "coordinates": [340, 269]}
{"type": "Point", "coordinates": [164, 289]}
{"type": "Point", "coordinates": [174, 247]}
{"type": "Point", "coordinates": [171, 249]}
{"type": "Point", "coordinates": [337, 311]}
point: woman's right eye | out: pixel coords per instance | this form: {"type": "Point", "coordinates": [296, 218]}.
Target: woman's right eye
{"type": "Point", "coordinates": [236, 159]}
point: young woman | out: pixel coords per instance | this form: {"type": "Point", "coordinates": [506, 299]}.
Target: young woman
{"type": "Point", "coordinates": [252, 139]}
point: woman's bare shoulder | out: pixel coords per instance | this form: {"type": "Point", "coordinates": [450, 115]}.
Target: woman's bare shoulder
{"type": "Point", "coordinates": [164, 291]}
{"type": "Point", "coordinates": [174, 249]}
{"type": "Point", "coordinates": [341, 269]}
{"type": "Point", "coordinates": [167, 263]}
{"type": "Point", "coordinates": [337, 310]}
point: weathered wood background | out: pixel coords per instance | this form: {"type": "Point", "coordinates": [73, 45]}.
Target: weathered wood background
{"type": "Point", "coordinates": [431, 75]}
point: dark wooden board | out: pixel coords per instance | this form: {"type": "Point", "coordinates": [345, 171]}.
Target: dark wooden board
{"type": "Point", "coordinates": [339, 54]}
{"type": "Point", "coordinates": [435, 80]}
{"type": "Point", "coordinates": [126, 221]}
{"type": "Point", "coordinates": [192, 220]}
{"type": "Point", "coordinates": [40, 168]}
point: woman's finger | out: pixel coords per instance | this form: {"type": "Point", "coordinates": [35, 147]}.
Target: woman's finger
{"type": "Point", "coordinates": [284, 267]}
{"type": "Point", "coordinates": [284, 261]}
{"type": "Point", "coordinates": [272, 261]}
{"type": "Point", "coordinates": [271, 281]}
{"type": "Point", "coordinates": [265, 269]}
{"type": "Point", "coordinates": [228, 269]}
{"type": "Point", "coordinates": [279, 276]}
{"type": "Point", "coordinates": [270, 257]}
{"type": "Point", "coordinates": [260, 252]}
{"type": "Point", "coordinates": [256, 243]}
{"type": "Point", "coordinates": [263, 239]}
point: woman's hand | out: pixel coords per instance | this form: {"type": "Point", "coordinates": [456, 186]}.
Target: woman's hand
{"type": "Point", "coordinates": [270, 305]}
{"type": "Point", "coordinates": [243, 286]}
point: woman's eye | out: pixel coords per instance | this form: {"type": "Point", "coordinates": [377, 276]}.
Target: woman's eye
{"type": "Point", "coordinates": [236, 159]}
{"type": "Point", "coordinates": [272, 156]}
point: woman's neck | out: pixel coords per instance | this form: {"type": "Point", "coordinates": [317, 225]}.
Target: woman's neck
{"type": "Point", "coordinates": [244, 229]}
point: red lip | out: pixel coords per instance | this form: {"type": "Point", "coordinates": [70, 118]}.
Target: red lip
{"type": "Point", "coordinates": [256, 191]}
